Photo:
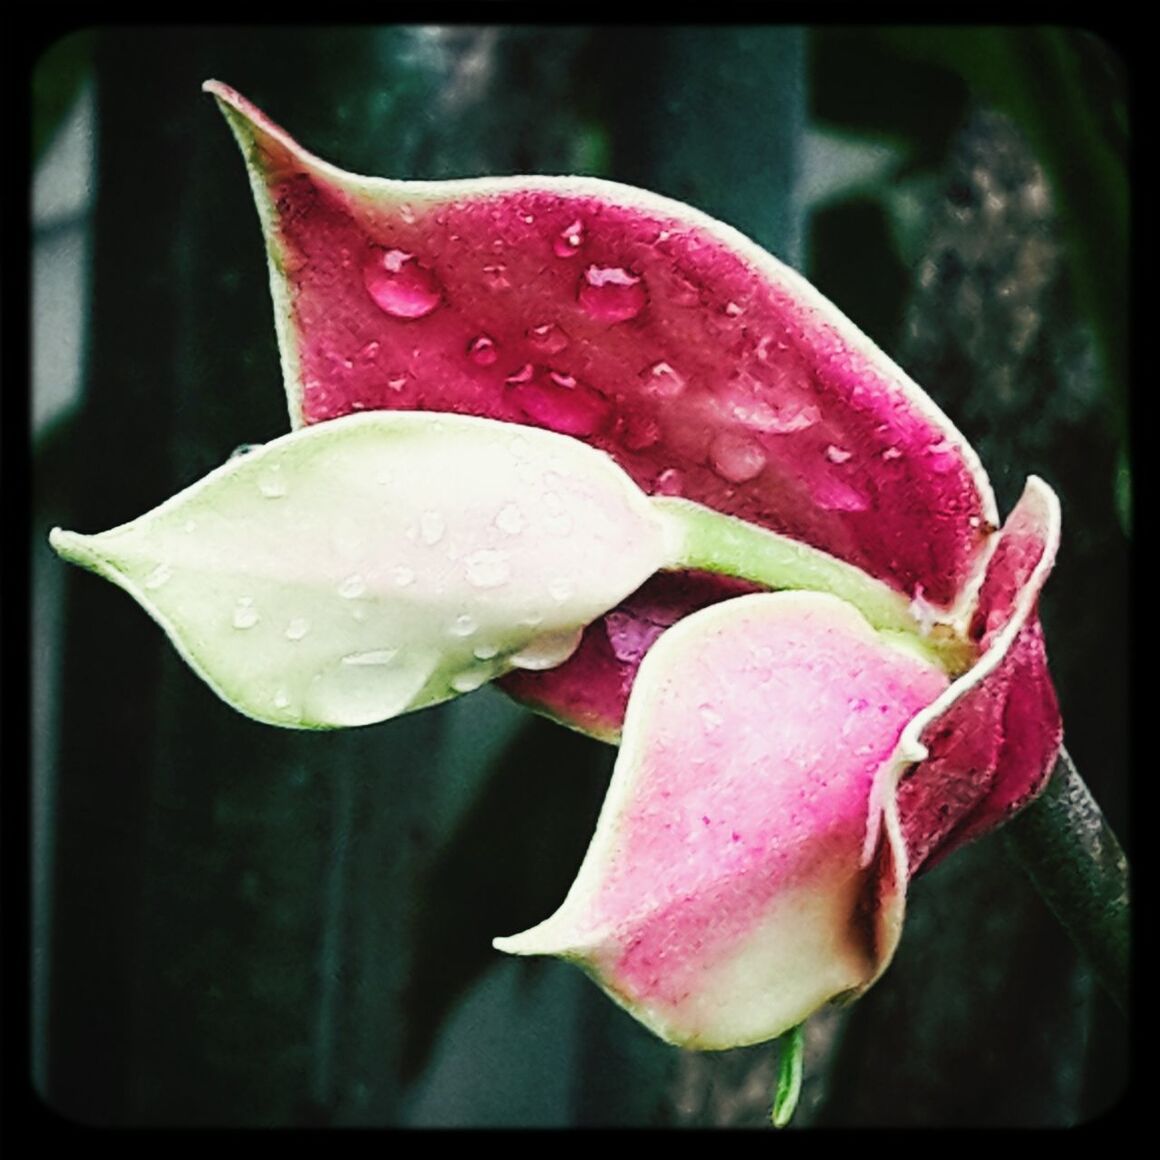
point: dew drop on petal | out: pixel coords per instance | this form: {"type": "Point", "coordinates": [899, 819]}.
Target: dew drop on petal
{"type": "Point", "coordinates": [487, 568]}
{"type": "Point", "coordinates": [559, 402]}
{"type": "Point", "coordinates": [469, 681]}
{"type": "Point", "coordinates": [611, 293]}
{"type": "Point", "coordinates": [481, 350]}
{"type": "Point", "coordinates": [891, 453]}
{"type": "Point", "coordinates": [281, 699]}
{"type": "Point", "coordinates": [944, 458]}
{"type": "Point", "coordinates": [377, 656]}
{"type": "Point", "coordinates": [159, 576]}
{"type": "Point", "coordinates": [463, 625]}
{"type": "Point", "coordinates": [297, 628]}
{"type": "Point", "coordinates": [399, 285]}
{"type": "Point", "coordinates": [569, 240]}
{"type": "Point", "coordinates": [397, 382]}
{"type": "Point", "coordinates": [352, 587]}
{"type": "Point", "coordinates": [834, 495]}
{"type": "Point", "coordinates": [523, 374]}
{"type": "Point", "coordinates": [496, 278]}
{"type": "Point", "coordinates": [485, 652]}
{"type": "Point", "coordinates": [547, 651]}
{"type": "Point", "coordinates": [663, 381]}
{"type": "Point", "coordinates": [245, 614]}
{"type": "Point", "coordinates": [641, 431]}
{"type": "Point", "coordinates": [547, 338]}
{"type": "Point", "coordinates": [836, 454]}
{"type": "Point", "coordinates": [272, 485]}
{"type": "Point", "coordinates": [510, 520]}
{"type": "Point", "coordinates": [431, 527]}
{"type": "Point", "coordinates": [736, 457]}
{"type": "Point", "coordinates": [670, 482]}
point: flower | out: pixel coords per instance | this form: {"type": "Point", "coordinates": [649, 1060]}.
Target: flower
{"type": "Point", "coordinates": [789, 758]}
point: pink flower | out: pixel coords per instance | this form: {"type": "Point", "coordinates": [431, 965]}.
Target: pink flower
{"type": "Point", "coordinates": [789, 759]}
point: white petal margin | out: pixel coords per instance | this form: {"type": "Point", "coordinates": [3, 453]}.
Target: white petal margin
{"type": "Point", "coordinates": [365, 567]}
{"type": "Point", "coordinates": [748, 866]}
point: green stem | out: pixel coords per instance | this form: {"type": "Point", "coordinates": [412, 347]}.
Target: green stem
{"type": "Point", "coordinates": [790, 1050]}
{"type": "Point", "coordinates": [1065, 845]}
{"type": "Point", "coordinates": [700, 538]}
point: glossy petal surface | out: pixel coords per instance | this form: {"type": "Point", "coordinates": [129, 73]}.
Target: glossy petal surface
{"type": "Point", "coordinates": [344, 574]}
{"type": "Point", "coordinates": [747, 866]}
{"type": "Point", "coordinates": [702, 364]}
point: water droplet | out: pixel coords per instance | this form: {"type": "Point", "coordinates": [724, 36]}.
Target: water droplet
{"type": "Point", "coordinates": [547, 651]}
{"type": "Point", "coordinates": [557, 401]}
{"type": "Point", "coordinates": [510, 520]}
{"type": "Point", "coordinates": [670, 482]}
{"type": "Point", "coordinates": [281, 699]}
{"type": "Point", "coordinates": [641, 431]}
{"type": "Point", "coordinates": [484, 652]}
{"type": "Point", "coordinates": [397, 382]}
{"type": "Point", "coordinates": [403, 575]}
{"type": "Point", "coordinates": [682, 292]}
{"type": "Point", "coordinates": [297, 628]}
{"type": "Point", "coordinates": [272, 485]}
{"type": "Point", "coordinates": [159, 576]}
{"type": "Point", "coordinates": [399, 285]}
{"type": "Point", "coordinates": [487, 568]}
{"type": "Point", "coordinates": [482, 351]}
{"type": "Point", "coordinates": [463, 625]}
{"type": "Point", "coordinates": [560, 589]}
{"type": "Point", "coordinates": [496, 278]}
{"type": "Point", "coordinates": [569, 240]}
{"type": "Point", "coordinates": [245, 614]}
{"type": "Point", "coordinates": [244, 449]}
{"type": "Point", "coordinates": [732, 309]}
{"type": "Point", "coordinates": [663, 381]}
{"type": "Point", "coordinates": [945, 459]}
{"type": "Point", "coordinates": [352, 587]}
{"type": "Point", "coordinates": [523, 375]}
{"type": "Point", "coordinates": [431, 527]}
{"type": "Point", "coordinates": [974, 521]}
{"type": "Point", "coordinates": [361, 693]}
{"type": "Point", "coordinates": [891, 453]}
{"type": "Point", "coordinates": [834, 495]}
{"type": "Point", "coordinates": [737, 458]}
{"type": "Point", "coordinates": [611, 293]}
{"type": "Point", "coordinates": [376, 656]}
{"type": "Point", "coordinates": [470, 680]}
{"type": "Point", "coordinates": [370, 351]}
{"type": "Point", "coordinates": [787, 419]}
{"type": "Point", "coordinates": [837, 454]}
{"type": "Point", "coordinates": [548, 338]}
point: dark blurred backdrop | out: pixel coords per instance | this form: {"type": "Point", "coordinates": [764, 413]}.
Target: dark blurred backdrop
{"type": "Point", "coordinates": [234, 925]}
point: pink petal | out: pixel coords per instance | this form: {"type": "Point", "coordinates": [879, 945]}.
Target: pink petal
{"type": "Point", "coordinates": [995, 734]}
{"type": "Point", "coordinates": [701, 363]}
{"type": "Point", "coordinates": [747, 867]}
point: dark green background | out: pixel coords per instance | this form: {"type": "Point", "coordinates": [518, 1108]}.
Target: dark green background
{"type": "Point", "coordinates": [242, 926]}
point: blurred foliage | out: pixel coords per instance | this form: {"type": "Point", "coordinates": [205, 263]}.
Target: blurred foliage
{"type": "Point", "coordinates": [56, 80]}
